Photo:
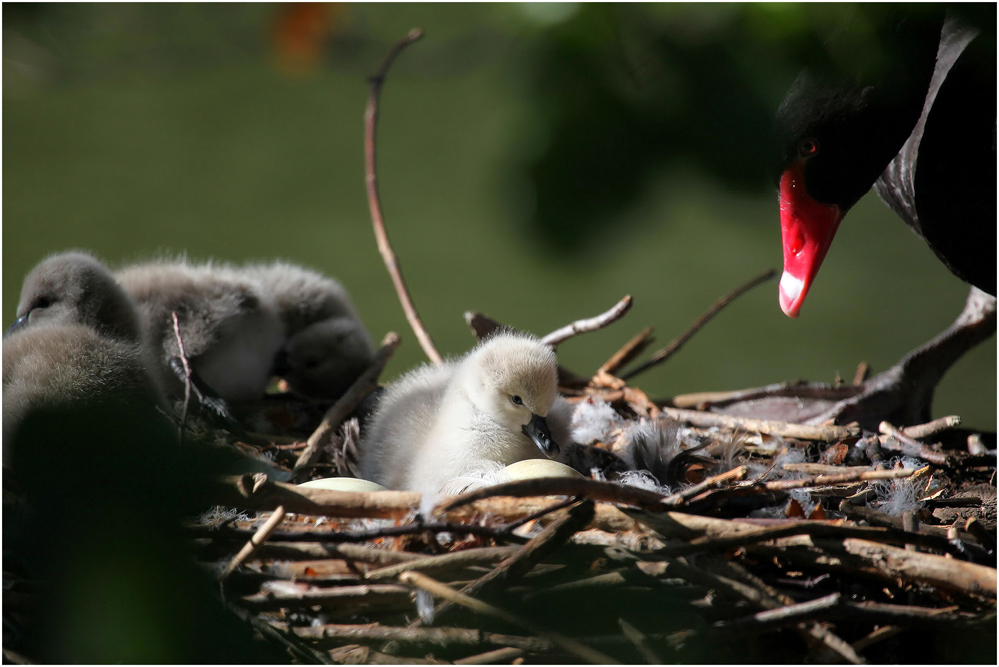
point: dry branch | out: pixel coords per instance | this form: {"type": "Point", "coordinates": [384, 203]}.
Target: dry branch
{"type": "Point", "coordinates": [590, 324]}
{"type": "Point", "coordinates": [447, 562]}
{"type": "Point", "coordinates": [496, 657]}
{"type": "Point", "coordinates": [364, 596]}
{"type": "Point", "coordinates": [675, 345]}
{"type": "Point", "coordinates": [446, 592]}
{"type": "Point", "coordinates": [374, 203]}
{"type": "Point", "coordinates": [255, 542]}
{"type": "Point", "coordinates": [346, 404]}
{"type": "Point", "coordinates": [559, 486]}
{"type": "Point", "coordinates": [256, 492]}
{"type": "Point", "coordinates": [628, 351]}
{"type": "Point", "coordinates": [920, 431]}
{"type": "Point", "coordinates": [827, 433]}
{"type": "Point", "coordinates": [527, 556]}
{"type": "Point", "coordinates": [421, 637]}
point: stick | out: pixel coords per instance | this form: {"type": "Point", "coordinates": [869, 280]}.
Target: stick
{"type": "Point", "coordinates": [421, 637]}
{"type": "Point", "coordinates": [258, 538]}
{"type": "Point", "coordinates": [526, 557]}
{"type": "Point", "coordinates": [640, 641]}
{"type": "Point", "coordinates": [367, 595]}
{"type": "Point", "coordinates": [827, 433]}
{"type": "Point", "coordinates": [863, 370]}
{"type": "Point", "coordinates": [675, 345]}
{"type": "Point", "coordinates": [734, 475]}
{"type": "Point", "coordinates": [559, 486]}
{"type": "Point", "coordinates": [492, 657]}
{"type": "Point", "coordinates": [908, 446]}
{"type": "Point", "coordinates": [763, 621]}
{"type": "Point", "coordinates": [591, 324]}
{"type": "Point", "coordinates": [452, 561]}
{"type": "Point", "coordinates": [353, 552]}
{"type": "Point", "coordinates": [256, 492]}
{"type": "Point", "coordinates": [628, 351]}
{"type": "Point", "coordinates": [705, 399]}
{"type": "Point", "coordinates": [304, 652]}
{"type": "Point", "coordinates": [447, 593]}
{"type": "Point", "coordinates": [415, 528]}
{"type": "Point", "coordinates": [374, 203]}
{"type": "Point", "coordinates": [920, 431]}
{"type": "Point", "coordinates": [187, 374]}
{"type": "Point", "coordinates": [344, 405]}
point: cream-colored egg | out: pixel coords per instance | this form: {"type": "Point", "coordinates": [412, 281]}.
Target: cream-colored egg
{"type": "Point", "coordinates": [534, 468]}
{"type": "Point", "coordinates": [343, 484]}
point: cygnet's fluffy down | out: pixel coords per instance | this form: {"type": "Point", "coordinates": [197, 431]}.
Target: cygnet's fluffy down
{"type": "Point", "coordinates": [76, 342]}
{"type": "Point", "coordinates": [243, 325]}
{"type": "Point", "coordinates": [440, 422]}
{"type": "Point", "coordinates": [326, 346]}
{"type": "Point", "coordinates": [230, 333]}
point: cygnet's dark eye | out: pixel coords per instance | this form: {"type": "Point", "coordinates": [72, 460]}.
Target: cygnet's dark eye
{"type": "Point", "coordinates": [808, 148]}
{"type": "Point", "coordinates": [41, 302]}
{"type": "Point", "coordinates": [517, 400]}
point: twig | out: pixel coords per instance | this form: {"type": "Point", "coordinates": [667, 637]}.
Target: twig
{"type": "Point", "coordinates": [559, 486]}
{"type": "Point", "coordinates": [886, 563]}
{"type": "Point", "coordinates": [306, 653]}
{"type": "Point", "coordinates": [421, 637]}
{"type": "Point", "coordinates": [908, 446]}
{"type": "Point", "coordinates": [496, 657]}
{"type": "Point", "coordinates": [733, 475]}
{"type": "Point", "coordinates": [826, 433]}
{"type": "Point", "coordinates": [863, 370]}
{"type": "Point", "coordinates": [876, 518]}
{"type": "Point", "coordinates": [334, 537]}
{"type": "Point", "coordinates": [590, 324]}
{"type": "Point", "coordinates": [920, 431]}
{"type": "Point", "coordinates": [763, 621]}
{"type": "Point", "coordinates": [628, 351]}
{"type": "Point", "coordinates": [674, 346]}
{"type": "Point", "coordinates": [187, 374]}
{"type": "Point", "coordinates": [705, 399]}
{"type": "Point", "coordinates": [521, 561]}
{"type": "Point", "coordinates": [877, 635]}
{"type": "Point", "coordinates": [374, 203]}
{"type": "Point", "coordinates": [452, 561]}
{"type": "Point", "coordinates": [842, 478]}
{"type": "Point", "coordinates": [366, 595]}
{"type": "Point", "coordinates": [348, 551]}
{"type": "Point", "coordinates": [513, 525]}
{"type": "Point", "coordinates": [447, 593]}
{"type": "Point", "coordinates": [344, 405]}
{"type": "Point", "coordinates": [640, 641]}
{"type": "Point", "coordinates": [258, 538]}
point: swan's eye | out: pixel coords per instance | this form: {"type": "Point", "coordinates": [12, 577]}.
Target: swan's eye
{"type": "Point", "coordinates": [517, 400]}
{"type": "Point", "coordinates": [808, 147]}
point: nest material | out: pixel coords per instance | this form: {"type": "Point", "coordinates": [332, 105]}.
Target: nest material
{"type": "Point", "coordinates": [771, 547]}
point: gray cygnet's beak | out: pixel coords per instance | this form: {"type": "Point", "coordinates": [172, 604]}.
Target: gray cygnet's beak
{"type": "Point", "coordinates": [537, 430]}
{"type": "Point", "coordinates": [19, 323]}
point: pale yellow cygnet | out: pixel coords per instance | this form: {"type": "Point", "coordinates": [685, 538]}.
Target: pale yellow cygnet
{"type": "Point", "coordinates": [441, 422]}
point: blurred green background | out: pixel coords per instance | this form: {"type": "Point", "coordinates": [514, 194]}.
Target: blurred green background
{"type": "Point", "coordinates": [536, 163]}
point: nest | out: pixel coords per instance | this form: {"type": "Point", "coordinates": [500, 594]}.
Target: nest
{"type": "Point", "coordinates": [746, 540]}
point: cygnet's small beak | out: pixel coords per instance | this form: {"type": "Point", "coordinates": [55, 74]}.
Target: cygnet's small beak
{"type": "Point", "coordinates": [537, 430]}
{"type": "Point", "coordinates": [19, 323]}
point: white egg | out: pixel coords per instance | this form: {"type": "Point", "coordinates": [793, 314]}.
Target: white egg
{"type": "Point", "coordinates": [343, 484]}
{"type": "Point", "coordinates": [534, 468]}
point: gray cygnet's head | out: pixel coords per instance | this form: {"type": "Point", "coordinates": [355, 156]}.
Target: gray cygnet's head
{"type": "Point", "coordinates": [323, 359]}
{"type": "Point", "coordinates": [76, 288]}
{"type": "Point", "coordinates": [514, 379]}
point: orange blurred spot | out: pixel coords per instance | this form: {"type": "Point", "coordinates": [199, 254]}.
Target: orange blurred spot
{"type": "Point", "coordinates": [301, 30]}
